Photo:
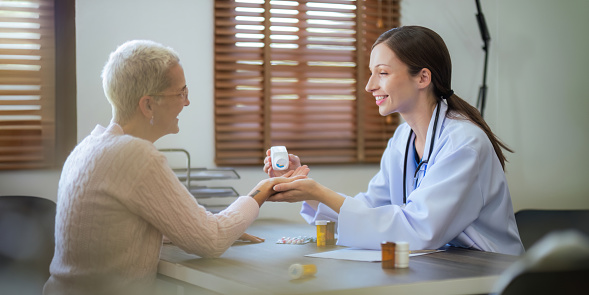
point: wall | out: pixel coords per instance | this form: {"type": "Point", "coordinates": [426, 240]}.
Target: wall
{"type": "Point", "coordinates": [537, 70]}
{"type": "Point", "coordinates": [542, 100]}
{"type": "Point", "coordinates": [536, 99]}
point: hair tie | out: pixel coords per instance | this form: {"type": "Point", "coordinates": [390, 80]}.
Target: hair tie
{"type": "Point", "coordinates": [448, 94]}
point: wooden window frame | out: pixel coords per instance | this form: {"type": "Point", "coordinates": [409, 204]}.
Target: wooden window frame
{"type": "Point", "coordinates": [265, 93]}
{"type": "Point", "coordinates": [37, 107]}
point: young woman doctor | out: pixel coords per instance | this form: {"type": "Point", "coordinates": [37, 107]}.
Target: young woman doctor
{"type": "Point", "coordinates": [441, 179]}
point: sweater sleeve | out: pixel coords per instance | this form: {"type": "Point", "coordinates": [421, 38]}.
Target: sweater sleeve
{"type": "Point", "coordinates": [163, 201]}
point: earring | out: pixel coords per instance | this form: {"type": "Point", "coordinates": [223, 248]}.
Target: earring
{"type": "Point", "coordinates": [151, 121]}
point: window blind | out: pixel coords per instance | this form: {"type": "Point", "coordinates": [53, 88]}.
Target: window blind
{"type": "Point", "coordinates": [27, 84]}
{"type": "Point", "coordinates": [293, 73]}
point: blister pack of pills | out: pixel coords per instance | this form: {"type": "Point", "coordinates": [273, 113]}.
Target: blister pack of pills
{"type": "Point", "coordinates": [300, 240]}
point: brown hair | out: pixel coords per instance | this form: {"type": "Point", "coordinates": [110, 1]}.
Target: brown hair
{"type": "Point", "coordinates": [419, 48]}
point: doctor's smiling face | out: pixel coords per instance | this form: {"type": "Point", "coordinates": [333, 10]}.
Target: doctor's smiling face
{"type": "Point", "coordinates": [394, 89]}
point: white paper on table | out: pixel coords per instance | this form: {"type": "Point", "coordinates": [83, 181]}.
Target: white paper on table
{"type": "Point", "coordinates": [357, 254]}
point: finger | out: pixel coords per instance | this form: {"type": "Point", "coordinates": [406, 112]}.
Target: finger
{"type": "Point", "coordinates": [303, 170]}
{"type": "Point", "coordinates": [278, 197]}
{"type": "Point", "coordinates": [287, 197]}
{"type": "Point", "coordinates": [281, 187]}
{"type": "Point", "coordinates": [294, 159]}
{"type": "Point", "coordinates": [266, 167]}
{"type": "Point", "coordinates": [287, 179]}
{"type": "Point", "coordinates": [299, 172]}
{"type": "Point", "coordinates": [255, 239]}
{"type": "Point", "coordinates": [298, 177]}
{"type": "Point", "coordinates": [251, 238]}
{"type": "Point", "coordinates": [291, 183]}
{"type": "Point", "coordinates": [306, 171]}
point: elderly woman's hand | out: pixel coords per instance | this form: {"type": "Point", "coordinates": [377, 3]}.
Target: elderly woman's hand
{"type": "Point", "coordinates": [250, 238]}
{"type": "Point", "coordinates": [264, 189]}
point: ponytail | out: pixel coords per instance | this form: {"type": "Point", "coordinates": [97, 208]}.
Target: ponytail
{"type": "Point", "coordinates": [457, 105]}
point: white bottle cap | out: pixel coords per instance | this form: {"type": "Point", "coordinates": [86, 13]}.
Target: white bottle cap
{"type": "Point", "coordinates": [295, 271]}
{"type": "Point", "coordinates": [320, 222]}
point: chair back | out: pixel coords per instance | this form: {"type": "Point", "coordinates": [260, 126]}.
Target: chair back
{"type": "Point", "coordinates": [27, 243]}
{"type": "Point", "coordinates": [534, 224]}
{"type": "Point", "coordinates": [557, 264]}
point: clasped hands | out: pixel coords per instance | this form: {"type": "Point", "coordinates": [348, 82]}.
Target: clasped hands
{"type": "Point", "coordinates": [292, 185]}
{"type": "Point", "coordinates": [298, 189]}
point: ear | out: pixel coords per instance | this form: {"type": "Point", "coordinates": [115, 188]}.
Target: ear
{"type": "Point", "coordinates": [146, 104]}
{"type": "Point", "coordinates": [424, 78]}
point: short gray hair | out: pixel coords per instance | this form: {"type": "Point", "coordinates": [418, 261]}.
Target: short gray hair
{"type": "Point", "coordinates": [135, 69]}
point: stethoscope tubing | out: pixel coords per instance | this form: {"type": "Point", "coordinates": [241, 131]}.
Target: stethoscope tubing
{"type": "Point", "coordinates": [423, 162]}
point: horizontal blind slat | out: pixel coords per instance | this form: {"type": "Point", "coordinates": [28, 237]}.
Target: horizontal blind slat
{"type": "Point", "coordinates": [309, 116]}
{"type": "Point", "coordinates": [26, 85]}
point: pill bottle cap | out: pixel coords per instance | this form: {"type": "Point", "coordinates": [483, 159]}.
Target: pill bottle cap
{"type": "Point", "coordinates": [402, 246]}
{"type": "Point", "coordinates": [295, 271]}
{"type": "Point", "coordinates": [320, 222]}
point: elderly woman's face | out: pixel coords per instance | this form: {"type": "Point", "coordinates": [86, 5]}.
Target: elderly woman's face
{"type": "Point", "coordinates": [171, 103]}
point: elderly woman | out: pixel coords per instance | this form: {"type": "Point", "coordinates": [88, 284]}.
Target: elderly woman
{"type": "Point", "coordinates": [117, 196]}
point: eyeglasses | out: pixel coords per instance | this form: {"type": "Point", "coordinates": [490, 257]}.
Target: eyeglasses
{"type": "Point", "coordinates": [183, 93]}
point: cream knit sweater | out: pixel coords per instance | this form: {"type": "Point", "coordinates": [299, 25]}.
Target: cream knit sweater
{"type": "Point", "coordinates": [116, 197]}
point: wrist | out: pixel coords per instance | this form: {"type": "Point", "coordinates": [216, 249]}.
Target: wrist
{"type": "Point", "coordinates": [260, 192]}
{"type": "Point", "coordinates": [330, 198]}
{"type": "Point", "coordinates": [257, 195]}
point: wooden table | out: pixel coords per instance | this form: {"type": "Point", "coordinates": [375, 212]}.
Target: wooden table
{"type": "Point", "coordinates": [263, 269]}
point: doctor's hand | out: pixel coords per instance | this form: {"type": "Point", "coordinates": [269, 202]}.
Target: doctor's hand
{"type": "Point", "coordinates": [293, 163]}
{"type": "Point", "coordinates": [307, 189]}
{"type": "Point", "coordinates": [296, 191]}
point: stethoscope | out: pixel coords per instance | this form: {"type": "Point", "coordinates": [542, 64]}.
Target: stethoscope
{"type": "Point", "coordinates": [423, 162]}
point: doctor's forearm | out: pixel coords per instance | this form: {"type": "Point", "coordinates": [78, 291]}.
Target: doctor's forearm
{"type": "Point", "coordinates": [330, 198]}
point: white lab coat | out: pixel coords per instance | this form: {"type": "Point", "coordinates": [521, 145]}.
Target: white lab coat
{"type": "Point", "coordinates": [463, 199]}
